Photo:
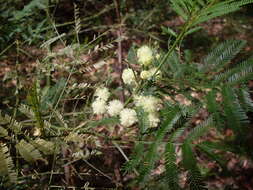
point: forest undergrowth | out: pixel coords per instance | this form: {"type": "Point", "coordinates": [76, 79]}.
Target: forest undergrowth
{"type": "Point", "coordinates": [112, 96]}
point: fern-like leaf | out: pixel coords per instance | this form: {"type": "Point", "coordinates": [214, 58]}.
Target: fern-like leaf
{"type": "Point", "coordinates": [190, 163]}
{"type": "Point", "coordinates": [143, 120]}
{"type": "Point", "coordinates": [173, 116]}
{"type": "Point", "coordinates": [238, 74]}
{"type": "Point", "coordinates": [234, 113]}
{"type": "Point", "coordinates": [44, 146]}
{"type": "Point", "coordinates": [28, 151]}
{"type": "Point", "coordinates": [6, 166]}
{"type": "Point", "coordinates": [135, 158]}
{"type": "Point", "coordinates": [27, 111]}
{"type": "Point", "coordinates": [245, 99]}
{"type": "Point", "coordinates": [222, 54]}
{"type": "Point", "coordinates": [213, 106]}
{"type": "Point", "coordinates": [13, 125]}
{"type": "Point", "coordinates": [171, 167]}
{"type": "Point", "coordinates": [200, 130]}
{"type": "Point", "coordinates": [3, 132]}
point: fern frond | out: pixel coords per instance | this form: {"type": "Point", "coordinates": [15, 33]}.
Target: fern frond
{"type": "Point", "coordinates": [175, 65]}
{"type": "Point", "coordinates": [209, 151]}
{"type": "Point", "coordinates": [245, 99]}
{"type": "Point", "coordinates": [143, 120]}
{"type": "Point", "coordinates": [177, 133]}
{"type": "Point", "coordinates": [3, 132]}
{"type": "Point", "coordinates": [199, 11]}
{"type": "Point", "coordinates": [44, 146]}
{"type": "Point", "coordinates": [13, 125]}
{"type": "Point", "coordinates": [171, 173]}
{"type": "Point", "coordinates": [6, 166]}
{"type": "Point", "coordinates": [28, 151]}
{"type": "Point", "coordinates": [59, 118]}
{"type": "Point", "coordinates": [245, 67]}
{"type": "Point", "coordinates": [234, 113]}
{"type": "Point", "coordinates": [241, 77]}
{"type": "Point", "coordinates": [221, 55]}
{"type": "Point", "coordinates": [180, 8]}
{"type": "Point", "coordinates": [190, 163]}
{"type": "Point", "coordinates": [213, 9]}
{"type": "Point", "coordinates": [135, 158]}
{"type": "Point", "coordinates": [213, 106]}
{"type": "Point", "coordinates": [27, 111]}
{"type": "Point", "coordinates": [173, 116]}
{"type": "Point", "coordinates": [200, 130]}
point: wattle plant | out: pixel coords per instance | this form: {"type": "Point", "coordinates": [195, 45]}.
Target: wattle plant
{"type": "Point", "coordinates": [164, 94]}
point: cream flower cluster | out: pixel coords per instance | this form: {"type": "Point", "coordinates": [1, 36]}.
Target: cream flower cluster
{"type": "Point", "coordinates": [99, 105]}
{"type": "Point", "coordinates": [102, 93]}
{"type": "Point", "coordinates": [151, 105]}
{"type": "Point", "coordinates": [128, 76]}
{"type": "Point", "coordinates": [128, 117]}
{"type": "Point", "coordinates": [144, 55]}
{"type": "Point", "coordinates": [148, 103]}
{"type": "Point", "coordinates": [114, 108]}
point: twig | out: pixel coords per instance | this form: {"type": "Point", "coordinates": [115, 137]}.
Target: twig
{"type": "Point", "coordinates": [97, 169]}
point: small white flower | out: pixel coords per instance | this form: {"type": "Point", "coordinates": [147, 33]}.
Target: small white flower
{"type": "Point", "coordinates": [99, 106]}
{"type": "Point", "coordinates": [148, 103]}
{"type": "Point", "coordinates": [128, 76]}
{"type": "Point", "coordinates": [102, 93]}
{"type": "Point", "coordinates": [157, 56]}
{"type": "Point", "coordinates": [149, 73]}
{"type": "Point", "coordinates": [114, 107]}
{"type": "Point", "coordinates": [128, 117]}
{"type": "Point", "coordinates": [153, 119]}
{"type": "Point", "coordinates": [144, 55]}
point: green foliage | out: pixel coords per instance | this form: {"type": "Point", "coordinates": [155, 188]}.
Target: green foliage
{"type": "Point", "coordinates": [7, 171]}
{"type": "Point", "coordinates": [22, 23]}
{"type": "Point", "coordinates": [226, 105]}
{"type": "Point", "coordinates": [190, 163]}
{"type": "Point", "coordinates": [51, 94]}
{"type": "Point", "coordinates": [215, 80]}
{"type": "Point", "coordinates": [44, 146]}
{"type": "Point", "coordinates": [33, 100]}
{"type": "Point", "coordinates": [171, 167]}
{"type": "Point", "coordinates": [172, 117]}
{"type": "Point", "coordinates": [28, 152]}
{"type": "Point", "coordinates": [143, 120]}
{"type": "Point", "coordinates": [222, 55]}
{"type": "Point", "coordinates": [199, 11]}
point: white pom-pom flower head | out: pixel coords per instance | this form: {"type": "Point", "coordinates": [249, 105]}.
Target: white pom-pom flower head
{"type": "Point", "coordinates": [153, 119]}
{"type": "Point", "coordinates": [102, 93]}
{"type": "Point", "coordinates": [148, 103]}
{"type": "Point", "coordinates": [128, 117]}
{"type": "Point", "coordinates": [99, 106]}
{"type": "Point", "coordinates": [114, 107]}
{"type": "Point", "coordinates": [128, 76]}
{"type": "Point", "coordinates": [144, 55]}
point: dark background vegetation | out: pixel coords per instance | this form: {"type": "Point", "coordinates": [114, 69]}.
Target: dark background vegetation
{"type": "Point", "coordinates": [25, 25]}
